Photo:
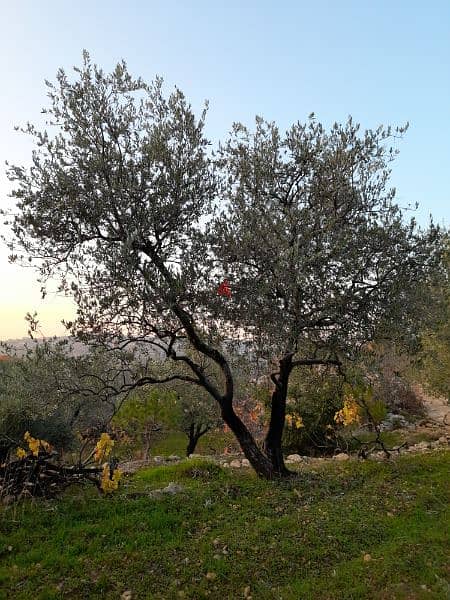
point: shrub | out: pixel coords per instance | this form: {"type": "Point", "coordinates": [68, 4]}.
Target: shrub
{"type": "Point", "coordinates": [315, 397]}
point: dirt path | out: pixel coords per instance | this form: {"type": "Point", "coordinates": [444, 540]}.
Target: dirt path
{"type": "Point", "coordinates": [438, 409]}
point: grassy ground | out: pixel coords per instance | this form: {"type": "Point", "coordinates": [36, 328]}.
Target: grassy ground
{"type": "Point", "coordinates": [175, 442]}
{"type": "Point", "coordinates": [342, 531]}
{"type": "Point", "coordinates": [211, 443]}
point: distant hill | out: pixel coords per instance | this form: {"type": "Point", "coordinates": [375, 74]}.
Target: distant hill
{"type": "Point", "coordinates": [20, 346]}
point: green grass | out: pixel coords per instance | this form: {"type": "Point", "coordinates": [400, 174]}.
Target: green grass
{"type": "Point", "coordinates": [175, 442]}
{"type": "Point", "coordinates": [302, 539]}
{"type": "Point", "coordinates": [398, 437]}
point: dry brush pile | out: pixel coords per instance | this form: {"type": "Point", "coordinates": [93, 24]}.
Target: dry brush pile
{"type": "Point", "coordinates": [36, 471]}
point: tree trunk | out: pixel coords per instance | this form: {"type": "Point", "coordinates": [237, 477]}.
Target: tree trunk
{"type": "Point", "coordinates": [146, 447]}
{"type": "Point", "coordinates": [262, 465]}
{"type": "Point", "coordinates": [272, 443]}
{"type": "Point", "coordinates": [194, 434]}
{"type": "Point", "coordinates": [191, 445]}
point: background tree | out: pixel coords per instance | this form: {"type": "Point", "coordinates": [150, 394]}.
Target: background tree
{"type": "Point", "coordinates": [435, 351]}
{"type": "Point", "coordinates": [55, 394]}
{"type": "Point", "coordinates": [119, 205]}
{"type": "Point", "coordinates": [199, 414]}
{"type": "Point", "coordinates": [146, 415]}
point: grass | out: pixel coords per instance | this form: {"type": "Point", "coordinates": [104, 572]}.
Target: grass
{"type": "Point", "coordinates": [211, 443]}
{"type": "Point", "coordinates": [302, 539]}
{"type": "Point", "coordinates": [397, 437]}
{"type": "Point", "coordinates": [175, 442]}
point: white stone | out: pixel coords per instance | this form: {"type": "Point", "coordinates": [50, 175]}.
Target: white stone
{"type": "Point", "coordinates": [422, 445]}
{"type": "Point", "coordinates": [172, 488]}
{"type": "Point", "coordinates": [235, 464]}
{"type": "Point", "coordinates": [341, 457]}
{"type": "Point", "coordinates": [245, 462]}
{"type": "Point", "coordinates": [294, 458]}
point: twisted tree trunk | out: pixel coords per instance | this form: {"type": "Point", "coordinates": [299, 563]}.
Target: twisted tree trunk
{"type": "Point", "coordinates": [273, 441]}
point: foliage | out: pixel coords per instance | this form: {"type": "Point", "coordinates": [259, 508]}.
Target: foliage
{"type": "Point", "coordinates": [103, 447]}
{"type": "Point", "coordinates": [349, 413]}
{"type": "Point", "coordinates": [110, 479]}
{"type": "Point", "coordinates": [53, 394]}
{"type": "Point", "coordinates": [311, 250]}
{"type": "Point", "coordinates": [36, 445]}
{"type": "Point", "coordinates": [435, 354]}
{"type": "Point", "coordinates": [199, 414]}
{"type": "Point", "coordinates": [314, 397]}
{"type": "Point", "coordinates": [361, 405]}
{"type": "Point", "coordinates": [391, 372]}
{"type": "Point", "coordinates": [38, 472]}
{"type": "Point", "coordinates": [146, 414]}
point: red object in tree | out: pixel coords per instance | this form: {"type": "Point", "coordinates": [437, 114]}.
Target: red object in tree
{"type": "Point", "coordinates": [224, 289]}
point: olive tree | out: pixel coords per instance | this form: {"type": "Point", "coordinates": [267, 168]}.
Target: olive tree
{"type": "Point", "coordinates": [199, 414]}
{"type": "Point", "coordinates": [320, 256]}
{"type": "Point", "coordinates": [54, 393]}
{"type": "Point", "coordinates": [126, 204]}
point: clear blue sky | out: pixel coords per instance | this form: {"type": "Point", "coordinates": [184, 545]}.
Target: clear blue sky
{"type": "Point", "coordinates": [381, 62]}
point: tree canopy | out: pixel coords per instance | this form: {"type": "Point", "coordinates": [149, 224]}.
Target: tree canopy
{"type": "Point", "coordinates": [144, 224]}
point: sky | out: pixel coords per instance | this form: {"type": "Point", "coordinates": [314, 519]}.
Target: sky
{"type": "Point", "coordinates": [383, 62]}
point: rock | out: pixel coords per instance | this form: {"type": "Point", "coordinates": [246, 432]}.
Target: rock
{"type": "Point", "coordinates": [211, 576]}
{"type": "Point", "coordinates": [422, 445]}
{"type": "Point", "coordinates": [443, 440]}
{"type": "Point", "coordinates": [378, 455]}
{"type": "Point", "coordinates": [226, 465]}
{"type": "Point", "coordinates": [158, 459]}
{"type": "Point", "coordinates": [295, 458]}
{"type": "Point", "coordinates": [245, 462]}
{"type": "Point", "coordinates": [367, 558]}
{"type": "Point", "coordinates": [341, 457]}
{"type": "Point", "coordinates": [173, 457]}
{"type": "Point", "coordinates": [126, 595]}
{"type": "Point", "coordinates": [236, 464]}
{"type": "Point", "coordinates": [195, 456]}
{"type": "Point", "coordinates": [172, 488]}
{"type": "Point", "coordinates": [435, 444]}
{"type": "Point", "coordinates": [155, 494]}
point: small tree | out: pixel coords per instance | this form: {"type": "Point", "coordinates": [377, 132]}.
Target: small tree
{"type": "Point", "coordinates": [119, 204]}
{"type": "Point", "coordinates": [146, 414]}
{"type": "Point", "coordinates": [199, 414]}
